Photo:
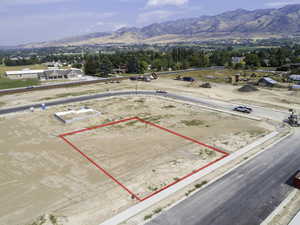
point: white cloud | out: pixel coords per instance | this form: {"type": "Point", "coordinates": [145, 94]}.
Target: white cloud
{"type": "Point", "coordinates": [105, 26]}
{"type": "Point", "coordinates": [154, 16]}
{"type": "Point", "coordinates": [157, 3]}
{"type": "Point", "coordinates": [282, 3]}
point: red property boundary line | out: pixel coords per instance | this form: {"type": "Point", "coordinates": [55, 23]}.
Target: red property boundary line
{"type": "Point", "coordinates": [63, 137]}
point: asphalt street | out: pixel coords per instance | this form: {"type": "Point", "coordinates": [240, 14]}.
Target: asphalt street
{"type": "Point", "coordinates": [257, 111]}
{"type": "Point", "coordinates": [245, 196]}
{"type": "Point", "coordinates": [97, 80]}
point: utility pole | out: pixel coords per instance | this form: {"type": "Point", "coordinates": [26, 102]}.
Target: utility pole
{"type": "Point", "coordinates": [136, 89]}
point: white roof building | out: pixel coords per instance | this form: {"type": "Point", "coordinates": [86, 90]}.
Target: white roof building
{"type": "Point", "coordinates": [24, 72]}
{"type": "Point", "coordinates": [45, 74]}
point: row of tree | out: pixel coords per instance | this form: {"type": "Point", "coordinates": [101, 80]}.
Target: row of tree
{"type": "Point", "coordinates": [181, 58]}
{"type": "Point", "coordinates": [174, 58]}
{"type": "Point", "coordinates": [21, 61]}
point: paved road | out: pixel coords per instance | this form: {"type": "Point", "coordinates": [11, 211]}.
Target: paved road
{"type": "Point", "coordinates": [258, 111]}
{"type": "Point", "coordinates": [75, 99]}
{"type": "Point", "coordinates": [245, 196]}
{"type": "Point", "coordinates": [98, 80]}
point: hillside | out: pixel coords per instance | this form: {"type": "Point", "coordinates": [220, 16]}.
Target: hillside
{"type": "Point", "coordinates": [237, 24]}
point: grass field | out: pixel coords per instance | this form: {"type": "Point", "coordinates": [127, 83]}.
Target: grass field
{"type": "Point", "coordinates": [12, 68]}
{"type": "Point", "coordinates": [6, 83]}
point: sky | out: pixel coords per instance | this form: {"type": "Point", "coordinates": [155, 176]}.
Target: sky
{"type": "Point", "coordinates": [26, 21]}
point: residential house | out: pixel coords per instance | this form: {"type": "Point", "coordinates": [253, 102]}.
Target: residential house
{"type": "Point", "coordinates": [236, 60]}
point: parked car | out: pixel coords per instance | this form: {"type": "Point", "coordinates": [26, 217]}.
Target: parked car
{"type": "Point", "coordinates": [246, 107]}
{"type": "Point", "coordinates": [133, 78]}
{"type": "Point", "coordinates": [242, 109]}
{"type": "Point", "coordinates": [161, 92]}
{"type": "Point", "coordinates": [189, 79]}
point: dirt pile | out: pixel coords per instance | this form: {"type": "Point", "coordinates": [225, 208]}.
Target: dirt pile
{"type": "Point", "coordinates": [205, 85]}
{"type": "Point", "coordinates": [247, 88]}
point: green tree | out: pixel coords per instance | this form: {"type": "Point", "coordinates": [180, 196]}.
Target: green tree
{"type": "Point", "coordinates": [133, 65]}
{"type": "Point", "coordinates": [142, 67]}
{"type": "Point", "coordinates": [91, 65]}
{"type": "Point", "coordinates": [157, 65]}
{"type": "Point", "coordinates": [252, 60]}
{"type": "Point", "coordinates": [77, 65]}
{"type": "Point", "coordinates": [105, 67]}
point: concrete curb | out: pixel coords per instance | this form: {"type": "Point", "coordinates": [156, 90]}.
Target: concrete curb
{"type": "Point", "coordinates": [134, 210]}
{"type": "Point", "coordinates": [152, 94]}
{"type": "Point", "coordinates": [295, 220]}
{"type": "Point", "coordinates": [227, 172]}
{"type": "Point", "coordinates": [214, 109]}
{"type": "Point", "coordinates": [279, 208]}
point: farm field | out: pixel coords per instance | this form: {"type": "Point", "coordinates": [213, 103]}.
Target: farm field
{"type": "Point", "coordinates": [40, 167]}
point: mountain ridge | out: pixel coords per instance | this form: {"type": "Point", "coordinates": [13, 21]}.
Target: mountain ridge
{"type": "Point", "coordinates": [238, 24]}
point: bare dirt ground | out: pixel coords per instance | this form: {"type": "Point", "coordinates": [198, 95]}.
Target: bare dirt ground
{"type": "Point", "coordinates": [40, 174]}
{"type": "Point", "coordinates": [278, 98]}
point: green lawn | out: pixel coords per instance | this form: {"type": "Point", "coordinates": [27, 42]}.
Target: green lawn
{"type": "Point", "coordinates": [6, 83]}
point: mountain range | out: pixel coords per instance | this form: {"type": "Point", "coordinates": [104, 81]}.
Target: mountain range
{"type": "Point", "coordinates": [237, 24]}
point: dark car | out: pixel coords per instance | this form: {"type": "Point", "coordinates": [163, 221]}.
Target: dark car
{"type": "Point", "coordinates": [133, 78]}
{"type": "Point", "coordinates": [189, 79]}
{"type": "Point", "coordinates": [246, 107]}
{"type": "Point", "coordinates": [161, 92]}
{"type": "Point", "coordinates": [243, 109]}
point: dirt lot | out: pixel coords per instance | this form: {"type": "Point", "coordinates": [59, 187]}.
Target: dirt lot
{"type": "Point", "coordinates": [278, 98]}
{"type": "Point", "coordinates": [40, 174]}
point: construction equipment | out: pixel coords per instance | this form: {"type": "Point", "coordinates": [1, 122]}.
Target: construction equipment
{"type": "Point", "coordinates": [155, 75]}
{"type": "Point", "coordinates": [205, 85]}
{"type": "Point", "coordinates": [293, 119]}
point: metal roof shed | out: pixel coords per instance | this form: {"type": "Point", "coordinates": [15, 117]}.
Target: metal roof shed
{"type": "Point", "coordinates": [295, 87]}
{"type": "Point", "coordinates": [294, 77]}
{"type": "Point", "coordinates": [267, 81]}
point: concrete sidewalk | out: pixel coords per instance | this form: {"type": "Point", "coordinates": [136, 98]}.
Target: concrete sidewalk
{"type": "Point", "coordinates": [295, 220]}
{"type": "Point", "coordinates": [127, 214]}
